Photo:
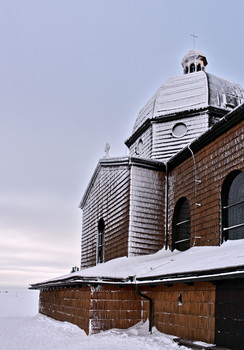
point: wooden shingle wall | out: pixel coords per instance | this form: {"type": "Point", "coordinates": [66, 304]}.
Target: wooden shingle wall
{"type": "Point", "coordinates": [165, 145]}
{"type": "Point", "coordinates": [146, 147]}
{"type": "Point", "coordinates": [108, 199]}
{"type": "Point", "coordinates": [67, 304]}
{"type": "Point", "coordinates": [193, 318]}
{"type": "Point", "coordinates": [114, 307]}
{"type": "Point", "coordinates": [200, 180]}
{"type": "Point", "coordinates": [104, 307]}
{"type": "Point", "coordinates": [146, 211]}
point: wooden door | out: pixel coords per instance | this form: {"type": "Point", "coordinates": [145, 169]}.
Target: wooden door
{"type": "Point", "coordinates": [229, 313]}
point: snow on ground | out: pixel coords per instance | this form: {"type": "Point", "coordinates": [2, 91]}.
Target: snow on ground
{"type": "Point", "coordinates": [22, 328]}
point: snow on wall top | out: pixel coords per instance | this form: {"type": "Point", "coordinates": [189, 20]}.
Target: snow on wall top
{"type": "Point", "coordinates": [188, 92]}
{"type": "Point", "coordinates": [164, 262]}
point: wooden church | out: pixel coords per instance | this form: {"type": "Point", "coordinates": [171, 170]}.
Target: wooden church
{"type": "Point", "coordinates": [163, 229]}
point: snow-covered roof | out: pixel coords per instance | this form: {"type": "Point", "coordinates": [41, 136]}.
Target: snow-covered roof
{"type": "Point", "coordinates": [192, 91]}
{"type": "Point", "coordinates": [208, 262]}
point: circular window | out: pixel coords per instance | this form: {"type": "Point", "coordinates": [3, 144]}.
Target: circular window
{"type": "Point", "coordinates": [179, 130]}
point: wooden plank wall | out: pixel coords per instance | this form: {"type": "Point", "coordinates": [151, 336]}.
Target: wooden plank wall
{"type": "Point", "coordinates": [165, 145]}
{"type": "Point", "coordinates": [146, 211]}
{"type": "Point", "coordinates": [212, 165]}
{"type": "Point", "coordinates": [108, 199]}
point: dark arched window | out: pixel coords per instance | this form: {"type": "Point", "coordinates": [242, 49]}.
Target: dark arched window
{"type": "Point", "coordinates": [233, 206]}
{"type": "Point", "coordinates": [199, 68]}
{"type": "Point", "coordinates": [192, 68]}
{"type": "Point", "coordinates": [100, 241]}
{"type": "Point", "coordinates": [181, 225]}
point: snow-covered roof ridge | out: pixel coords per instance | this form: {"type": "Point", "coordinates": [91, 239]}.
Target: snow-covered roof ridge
{"type": "Point", "coordinates": [163, 265]}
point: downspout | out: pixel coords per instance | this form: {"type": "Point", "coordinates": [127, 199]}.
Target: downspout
{"type": "Point", "coordinates": [151, 307]}
{"type": "Point", "coordinates": [166, 206]}
{"type": "Point", "coordinates": [196, 182]}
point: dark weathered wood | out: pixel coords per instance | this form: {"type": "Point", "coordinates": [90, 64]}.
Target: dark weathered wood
{"type": "Point", "coordinates": [191, 345]}
{"type": "Point", "coordinates": [229, 329]}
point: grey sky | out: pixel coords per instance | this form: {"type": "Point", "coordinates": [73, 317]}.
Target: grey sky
{"type": "Point", "coordinates": [73, 76]}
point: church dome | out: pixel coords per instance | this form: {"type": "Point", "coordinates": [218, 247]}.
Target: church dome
{"type": "Point", "coordinates": [194, 90]}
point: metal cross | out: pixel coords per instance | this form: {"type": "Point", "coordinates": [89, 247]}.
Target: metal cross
{"type": "Point", "coordinates": [194, 38]}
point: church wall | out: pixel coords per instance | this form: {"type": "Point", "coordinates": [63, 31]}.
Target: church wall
{"type": "Point", "coordinates": [146, 234]}
{"type": "Point", "coordinates": [192, 318]}
{"type": "Point", "coordinates": [165, 145]}
{"type": "Point", "coordinates": [67, 304]}
{"type": "Point", "coordinates": [212, 165]}
{"type": "Point", "coordinates": [108, 199]}
{"type": "Point", "coordinates": [114, 307]}
{"type": "Point", "coordinates": [100, 308]}
{"type": "Point", "coordinates": [145, 149]}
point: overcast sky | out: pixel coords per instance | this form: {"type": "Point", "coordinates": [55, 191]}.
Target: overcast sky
{"type": "Point", "coordinates": [74, 75]}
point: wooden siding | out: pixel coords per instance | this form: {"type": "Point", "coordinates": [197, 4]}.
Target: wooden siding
{"type": "Point", "coordinates": [108, 199]}
{"type": "Point", "coordinates": [146, 150]}
{"type": "Point", "coordinates": [67, 304]}
{"type": "Point", "coordinates": [200, 180]}
{"type": "Point", "coordinates": [146, 211]}
{"type": "Point", "coordinates": [104, 307]}
{"type": "Point", "coordinates": [165, 145]}
{"type": "Point", "coordinates": [114, 307]}
{"type": "Point", "coordinates": [193, 319]}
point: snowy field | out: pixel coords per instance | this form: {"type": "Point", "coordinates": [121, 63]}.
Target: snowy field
{"type": "Point", "coordinates": [22, 328]}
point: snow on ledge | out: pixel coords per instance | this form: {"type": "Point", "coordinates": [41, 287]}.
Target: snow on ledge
{"type": "Point", "coordinates": [229, 255]}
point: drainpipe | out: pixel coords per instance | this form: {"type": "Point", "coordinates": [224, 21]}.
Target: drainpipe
{"type": "Point", "coordinates": [166, 230]}
{"type": "Point", "coordinates": [151, 308]}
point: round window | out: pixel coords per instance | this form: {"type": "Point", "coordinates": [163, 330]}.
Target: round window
{"type": "Point", "coordinates": [179, 130]}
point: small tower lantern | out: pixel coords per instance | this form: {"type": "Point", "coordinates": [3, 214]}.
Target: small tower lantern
{"type": "Point", "coordinates": [194, 61]}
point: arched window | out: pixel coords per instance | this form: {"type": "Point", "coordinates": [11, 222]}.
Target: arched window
{"type": "Point", "coordinates": [199, 68]}
{"type": "Point", "coordinates": [181, 225]}
{"type": "Point", "coordinates": [100, 241]}
{"type": "Point", "coordinates": [192, 68]}
{"type": "Point", "coordinates": [233, 206]}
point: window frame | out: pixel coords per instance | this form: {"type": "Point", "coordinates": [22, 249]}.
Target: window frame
{"type": "Point", "coordinates": [100, 240]}
{"type": "Point", "coordinates": [178, 227]}
{"type": "Point", "coordinates": [227, 187]}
